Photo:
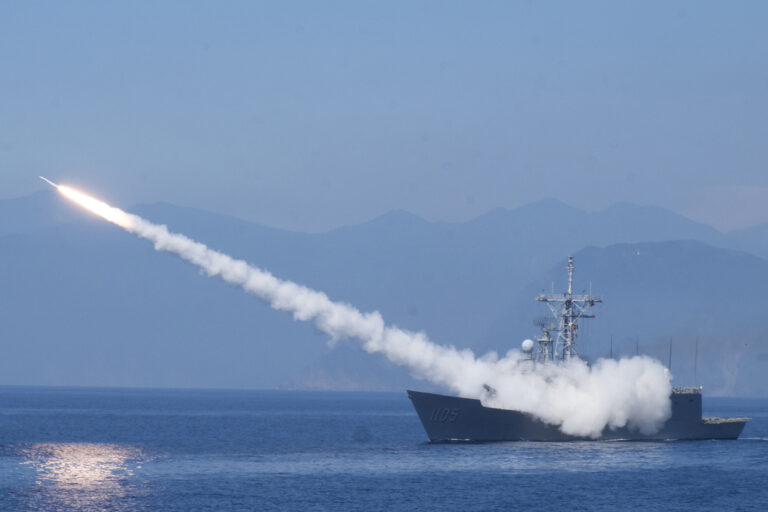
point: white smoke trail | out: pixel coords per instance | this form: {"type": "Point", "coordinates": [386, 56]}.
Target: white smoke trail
{"type": "Point", "coordinates": [582, 400]}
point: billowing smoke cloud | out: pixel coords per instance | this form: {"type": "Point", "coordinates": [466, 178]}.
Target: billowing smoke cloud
{"type": "Point", "coordinates": [582, 400]}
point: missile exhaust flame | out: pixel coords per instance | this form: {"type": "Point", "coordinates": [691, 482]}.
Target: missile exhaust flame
{"type": "Point", "coordinates": [582, 400]}
{"type": "Point", "coordinates": [100, 208]}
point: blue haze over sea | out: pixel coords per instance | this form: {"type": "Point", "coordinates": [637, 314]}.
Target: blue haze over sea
{"type": "Point", "coordinates": [434, 161]}
{"type": "Point", "coordinates": [85, 449]}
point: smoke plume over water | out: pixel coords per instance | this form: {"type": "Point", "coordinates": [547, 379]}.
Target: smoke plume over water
{"type": "Point", "coordinates": [582, 400]}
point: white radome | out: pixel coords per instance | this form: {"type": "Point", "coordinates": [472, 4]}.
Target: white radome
{"type": "Point", "coordinates": [528, 346]}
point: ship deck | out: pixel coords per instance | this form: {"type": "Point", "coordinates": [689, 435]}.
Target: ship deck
{"type": "Point", "coordinates": [718, 420]}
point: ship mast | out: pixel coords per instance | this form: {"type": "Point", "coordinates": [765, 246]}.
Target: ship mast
{"type": "Point", "coordinates": [567, 309]}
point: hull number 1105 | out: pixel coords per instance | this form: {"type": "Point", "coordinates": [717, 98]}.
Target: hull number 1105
{"type": "Point", "coordinates": [444, 414]}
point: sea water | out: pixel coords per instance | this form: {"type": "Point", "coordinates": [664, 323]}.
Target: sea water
{"type": "Point", "coordinates": [86, 449]}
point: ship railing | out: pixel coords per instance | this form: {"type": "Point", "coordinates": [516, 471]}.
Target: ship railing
{"type": "Point", "coordinates": [687, 391]}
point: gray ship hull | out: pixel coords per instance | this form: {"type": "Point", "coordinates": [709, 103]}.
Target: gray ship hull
{"type": "Point", "coordinates": [449, 418]}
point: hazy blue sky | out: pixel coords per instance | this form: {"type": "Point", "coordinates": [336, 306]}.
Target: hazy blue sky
{"type": "Point", "coordinates": [309, 115]}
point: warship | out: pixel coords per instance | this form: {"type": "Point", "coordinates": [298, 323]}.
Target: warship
{"type": "Point", "coordinates": [449, 418]}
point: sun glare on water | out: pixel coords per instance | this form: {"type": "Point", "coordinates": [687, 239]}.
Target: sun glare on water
{"type": "Point", "coordinates": [100, 208]}
{"type": "Point", "coordinates": [82, 476]}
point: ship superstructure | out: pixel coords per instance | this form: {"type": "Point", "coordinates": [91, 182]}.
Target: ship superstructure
{"type": "Point", "coordinates": [449, 418]}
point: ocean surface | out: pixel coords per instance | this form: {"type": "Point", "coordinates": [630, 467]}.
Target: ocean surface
{"type": "Point", "coordinates": [166, 450]}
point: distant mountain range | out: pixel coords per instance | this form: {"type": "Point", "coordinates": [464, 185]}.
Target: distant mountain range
{"type": "Point", "coordinates": [83, 303]}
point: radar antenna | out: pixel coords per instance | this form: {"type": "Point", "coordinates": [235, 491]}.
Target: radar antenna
{"type": "Point", "coordinates": [567, 309]}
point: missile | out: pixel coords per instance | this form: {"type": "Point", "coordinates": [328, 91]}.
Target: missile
{"type": "Point", "coordinates": [49, 182]}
